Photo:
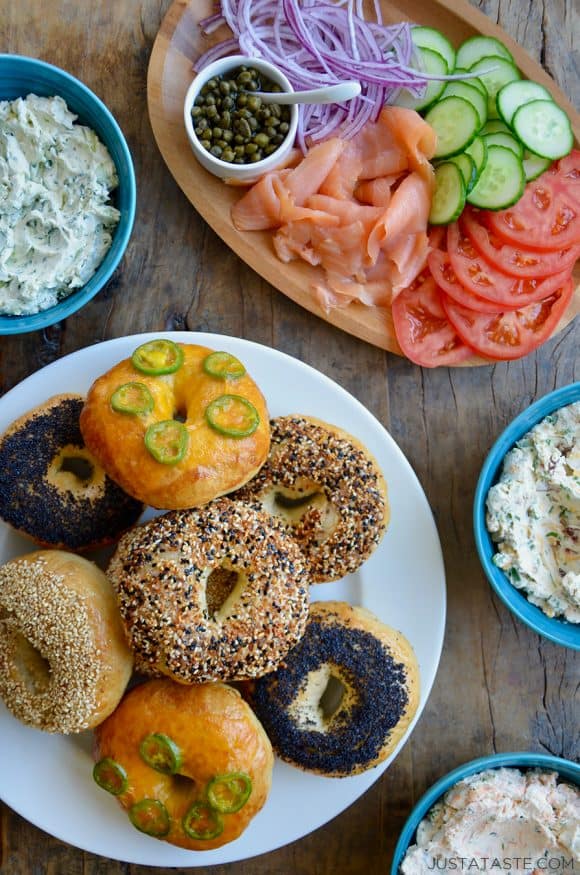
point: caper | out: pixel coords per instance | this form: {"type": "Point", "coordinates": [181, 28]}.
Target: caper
{"type": "Point", "coordinates": [254, 103]}
{"type": "Point", "coordinates": [206, 144]}
{"type": "Point", "coordinates": [201, 125]}
{"type": "Point", "coordinates": [271, 148]}
{"type": "Point", "coordinates": [271, 132]}
{"type": "Point", "coordinates": [251, 148]}
{"type": "Point", "coordinates": [206, 134]}
{"type": "Point", "coordinates": [261, 140]}
{"type": "Point", "coordinates": [217, 133]}
{"type": "Point", "coordinates": [228, 155]}
{"type": "Point", "coordinates": [244, 77]}
{"type": "Point", "coordinates": [227, 136]}
{"type": "Point", "coordinates": [238, 139]}
{"type": "Point", "coordinates": [195, 111]}
{"type": "Point", "coordinates": [284, 127]}
{"type": "Point", "coordinates": [211, 112]}
{"type": "Point", "coordinates": [242, 99]}
{"type": "Point", "coordinates": [253, 123]}
{"type": "Point", "coordinates": [278, 139]}
{"type": "Point", "coordinates": [275, 110]}
{"type": "Point", "coordinates": [210, 100]}
{"type": "Point", "coordinates": [228, 103]}
{"type": "Point", "coordinates": [224, 87]}
{"type": "Point", "coordinates": [239, 150]}
{"type": "Point", "coordinates": [225, 119]}
{"type": "Point", "coordinates": [216, 151]}
{"type": "Point", "coordinates": [239, 161]}
{"type": "Point", "coordinates": [244, 128]}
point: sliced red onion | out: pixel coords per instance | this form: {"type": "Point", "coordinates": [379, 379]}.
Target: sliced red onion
{"type": "Point", "coordinates": [322, 42]}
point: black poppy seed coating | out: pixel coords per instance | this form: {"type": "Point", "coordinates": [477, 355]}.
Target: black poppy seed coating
{"type": "Point", "coordinates": [349, 478]}
{"type": "Point", "coordinates": [357, 736]}
{"type": "Point", "coordinates": [31, 504]}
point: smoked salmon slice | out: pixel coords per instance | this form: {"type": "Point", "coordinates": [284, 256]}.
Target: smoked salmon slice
{"type": "Point", "coordinates": [356, 209]}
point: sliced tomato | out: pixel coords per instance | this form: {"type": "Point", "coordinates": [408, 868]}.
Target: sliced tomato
{"type": "Point", "coordinates": [423, 330]}
{"type": "Point", "coordinates": [444, 276]}
{"type": "Point", "coordinates": [509, 335]}
{"type": "Point", "coordinates": [476, 274]}
{"type": "Point", "coordinates": [518, 261]}
{"type": "Point", "coordinates": [547, 216]}
{"type": "Point", "coordinates": [568, 169]}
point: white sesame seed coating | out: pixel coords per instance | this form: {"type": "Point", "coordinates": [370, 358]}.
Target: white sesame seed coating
{"type": "Point", "coordinates": [160, 571]}
{"type": "Point", "coordinates": [63, 662]}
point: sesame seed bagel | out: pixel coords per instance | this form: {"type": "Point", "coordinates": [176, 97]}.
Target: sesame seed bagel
{"type": "Point", "coordinates": [214, 735]}
{"type": "Point", "coordinates": [344, 696]}
{"type": "Point", "coordinates": [64, 662]}
{"type": "Point", "coordinates": [53, 489]}
{"type": "Point", "coordinates": [327, 489]}
{"type": "Point", "coordinates": [213, 593]}
{"type": "Point", "coordinates": [210, 463]}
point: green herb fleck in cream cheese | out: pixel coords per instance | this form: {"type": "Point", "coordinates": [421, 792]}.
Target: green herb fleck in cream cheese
{"type": "Point", "coordinates": [533, 514]}
{"type": "Point", "coordinates": [56, 221]}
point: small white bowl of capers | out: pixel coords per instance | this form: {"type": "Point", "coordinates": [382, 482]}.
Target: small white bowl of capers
{"type": "Point", "coordinates": [232, 133]}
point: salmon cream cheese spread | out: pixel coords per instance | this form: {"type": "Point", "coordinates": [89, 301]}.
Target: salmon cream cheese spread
{"type": "Point", "coordinates": [533, 514]}
{"type": "Point", "coordinates": [56, 220]}
{"type": "Point", "coordinates": [497, 817]}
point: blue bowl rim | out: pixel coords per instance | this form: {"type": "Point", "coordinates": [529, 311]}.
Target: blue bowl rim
{"type": "Point", "coordinates": [78, 298]}
{"type": "Point", "coordinates": [567, 769]}
{"type": "Point", "coordinates": [557, 630]}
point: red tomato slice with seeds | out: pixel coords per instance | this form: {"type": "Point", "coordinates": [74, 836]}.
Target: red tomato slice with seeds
{"type": "Point", "coordinates": [568, 170]}
{"type": "Point", "coordinates": [547, 216]}
{"type": "Point", "coordinates": [444, 276]}
{"type": "Point", "coordinates": [423, 330]}
{"type": "Point", "coordinates": [477, 275]}
{"type": "Point", "coordinates": [516, 261]}
{"type": "Point", "coordinates": [513, 334]}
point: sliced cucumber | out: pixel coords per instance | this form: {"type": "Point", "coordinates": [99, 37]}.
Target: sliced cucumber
{"type": "Point", "coordinates": [449, 195]}
{"type": "Point", "coordinates": [502, 181]}
{"type": "Point", "coordinates": [508, 140]}
{"type": "Point", "coordinates": [477, 47]}
{"type": "Point", "coordinates": [467, 167]}
{"type": "Point", "coordinates": [435, 64]}
{"type": "Point", "coordinates": [534, 166]}
{"type": "Point", "coordinates": [515, 94]}
{"type": "Point", "coordinates": [456, 123]}
{"type": "Point", "coordinates": [471, 79]}
{"type": "Point", "coordinates": [495, 72]}
{"type": "Point", "coordinates": [469, 93]}
{"type": "Point", "coordinates": [544, 129]}
{"type": "Point", "coordinates": [429, 38]}
{"type": "Point", "coordinates": [477, 150]}
{"type": "Point", "coordinates": [495, 126]}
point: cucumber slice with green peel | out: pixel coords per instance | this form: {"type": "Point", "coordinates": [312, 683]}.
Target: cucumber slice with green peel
{"type": "Point", "coordinates": [467, 167]}
{"type": "Point", "coordinates": [501, 182]}
{"type": "Point", "coordinates": [544, 129]}
{"type": "Point", "coordinates": [470, 79]}
{"type": "Point", "coordinates": [429, 38]}
{"type": "Point", "coordinates": [508, 140]}
{"type": "Point", "coordinates": [477, 47]}
{"type": "Point", "coordinates": [534, 166]}
{"type": "Point", "coordinates": [495, 126]}
{"type": "Point", "coordinates": [449, 195]}
{"type": "Point", "coordinates": [435, 64]}
{"type": "Point", "coordinates": [477, 150]}
{"type": "Point", "coordinates": [469, 93]}
{"type": "Point", "coordinates": [516, 94]}
{"type": "Point", "coordinates": [456, 123]}
{"type": "Point", "coordinates": [495, 73]}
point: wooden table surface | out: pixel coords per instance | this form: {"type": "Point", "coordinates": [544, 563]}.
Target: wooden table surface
{"type": "Point", "coordinates": [499, 687]}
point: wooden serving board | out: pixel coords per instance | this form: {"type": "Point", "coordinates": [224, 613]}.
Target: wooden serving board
{"type": "Point", "coordinates": [180, 41]}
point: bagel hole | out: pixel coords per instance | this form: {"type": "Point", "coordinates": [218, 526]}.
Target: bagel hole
{"type": "Point", "coordinates": [33, 669]}
{"type": "Point", "coordinates": [78, 466]}
{"type": "Point", "coordinates": [332, 697]}
{"type": "Point", "coordinates": [180, 415]}
{"type": "Point", "coordinates": [303, 504]}
{"type": "Point", "coordinates": [223, 588]}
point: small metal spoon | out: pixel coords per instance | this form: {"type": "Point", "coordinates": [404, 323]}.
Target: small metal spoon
{"type": "Point", "coordinates": [329, 94]}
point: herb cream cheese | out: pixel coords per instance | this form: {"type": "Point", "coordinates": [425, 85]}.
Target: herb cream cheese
{"type": "Point", "coordinates": [56, 219]}
{"type": "Point", "coordinates": [533, 514]}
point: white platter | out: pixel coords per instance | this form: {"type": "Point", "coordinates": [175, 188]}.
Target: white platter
{"type": "Point", "coordinates": [47, 778]}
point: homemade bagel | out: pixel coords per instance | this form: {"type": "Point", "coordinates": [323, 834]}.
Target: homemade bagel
{"type": "Point", "coordinates": [172, 743]}
{"type": "Point", "coordinates": [64, 662]}
{"type": "Point", "coordinates": [327, 489]}
{"type": "Point", "coordinates": [172, 423]}
{"type": "Point", "coordinates": [344, 696]}
{"type": "Point", "coordinates": [213, 593]}
{"type": "Point", "coordinates": [53, 489]}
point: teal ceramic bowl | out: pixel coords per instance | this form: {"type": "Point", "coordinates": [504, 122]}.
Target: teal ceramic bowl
{"type": "Point", "coordinates": [567, 770]}
{"type": "Point", "coordinates": [557, 630]}
{"type": "Point", "coordinates": [20, 76]}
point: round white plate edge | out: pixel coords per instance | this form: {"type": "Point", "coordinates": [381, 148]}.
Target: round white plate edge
{"type": "Point", "coordinates": [150, 852]}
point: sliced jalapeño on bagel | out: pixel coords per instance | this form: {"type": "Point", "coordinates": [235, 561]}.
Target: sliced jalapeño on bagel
{"type": "Point", "coordinates": [158, 357]}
